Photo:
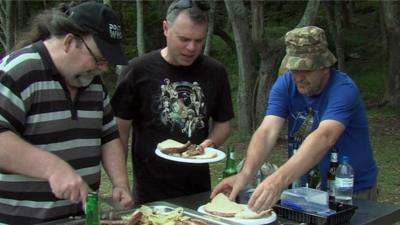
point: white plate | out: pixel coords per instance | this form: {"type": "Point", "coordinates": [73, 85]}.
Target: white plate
{"type": "Point", "coordinates": [259, 221]}
{"type": "Point", "coordinates": [220, 156]}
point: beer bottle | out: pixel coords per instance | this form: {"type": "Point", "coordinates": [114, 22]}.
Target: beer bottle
{"type": "Point", "coordinates": [92, 209]}
{"type": "Point", "coordinates": [330, 177]}
{"type": "Point", "coordinates": [314, 178]}
{"type": "Point", "coordinates": [230, 168]}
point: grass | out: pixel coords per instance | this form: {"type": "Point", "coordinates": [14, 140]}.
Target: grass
{"type": "Point", "coordinates": [385, 138]}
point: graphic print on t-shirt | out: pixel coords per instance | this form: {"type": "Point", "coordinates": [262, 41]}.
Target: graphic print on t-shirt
{"type": "Point", "coordinates": [182, 106]}
{"type": "Point", "coordinates": [303, 125]}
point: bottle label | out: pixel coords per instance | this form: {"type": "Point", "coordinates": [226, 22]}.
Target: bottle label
{"type": "Point", "coordinates": [330, 187]}
{"type": "Point", "coordinates": [341, 182]}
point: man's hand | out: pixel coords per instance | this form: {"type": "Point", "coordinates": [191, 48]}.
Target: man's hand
{"type": "Point", "coordinates": [123, 196]}
{"type": "Point", "coordinates": [66, 184]}
{"type": "Point", "coordinates": [230, 186]}
{"type": "Point", "coordinates": [265, 196]}
{"type": "Point", "coordinates": [207, 143]}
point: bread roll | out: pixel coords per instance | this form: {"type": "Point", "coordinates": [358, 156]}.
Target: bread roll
{"type": "Point", "coordinates": [249, 214]}
{"type": "Point", "coordinates": [221, 205]}
{"type": "Point", "coordinates": [172, 146]}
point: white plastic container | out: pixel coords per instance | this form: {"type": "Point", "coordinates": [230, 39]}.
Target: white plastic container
{"type": "Point", "coordinates": [307, 200]}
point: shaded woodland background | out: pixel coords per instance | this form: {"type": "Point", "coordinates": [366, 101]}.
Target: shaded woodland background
{"type": "Point", "coordinates": [248, 37]}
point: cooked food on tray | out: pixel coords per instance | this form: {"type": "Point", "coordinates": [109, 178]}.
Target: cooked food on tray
{"type": "Point", "coordinates": [187, 150]}
{"type": "Point", "coordinates": [222, 206]}
{"type": "Point", "coordinates": [148, 216]}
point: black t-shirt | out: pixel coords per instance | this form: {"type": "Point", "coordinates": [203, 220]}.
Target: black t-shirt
{"type": "Point", "coordinates": [177, 102]}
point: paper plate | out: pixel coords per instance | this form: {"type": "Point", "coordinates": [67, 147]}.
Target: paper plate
{"type": "Point", "coordinates": [259, 221]}
{"type": "Point", "coordinates": [220, 155]}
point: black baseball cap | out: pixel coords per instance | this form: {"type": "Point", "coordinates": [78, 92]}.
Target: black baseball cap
{"type": "Point", "coordinates": [102, 22]}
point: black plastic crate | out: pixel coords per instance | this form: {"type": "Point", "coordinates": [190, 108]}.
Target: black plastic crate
{"type": "Point", "coordinates": [342, 216]}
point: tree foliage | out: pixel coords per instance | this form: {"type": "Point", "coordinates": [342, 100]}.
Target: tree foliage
{"type": "Point", "coordinates": [252, 29]}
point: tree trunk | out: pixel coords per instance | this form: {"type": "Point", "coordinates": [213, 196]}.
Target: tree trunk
{"type": "Point", "coordinates": [107, 2]}
{"type": "Point", "coordinates": [271, 54]}
{"type": "Point", "coordinates": [253, 89]}
{"type": "Point", "coordinates": [333, 9]}
{"type": "Point", "coordinates": [245, 54]}
{"type": "Point", "coordinates": [391, 12]}
{"type": "Point", "coordinates": [20, 21]}
{"type": "Point", "coordinates": [139, 28]}
{"type": "Point", "coordinates": [257, 22]}
{"type": "Point", "coordinates": [226, 38]}
{"type": "Point", "coordinates": [207, 47]}
{"type": "Point", "coordinates": [344, 8]}
{"type": "Point", "coordinates": [270, 61]}
{"type": "Point", "coordinates": [7, 26]}
{"type": "Point", "coordinates": [310, 13]}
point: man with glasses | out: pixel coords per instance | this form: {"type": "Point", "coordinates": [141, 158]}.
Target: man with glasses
{"type": "Point", "coordinates": [56, 122]}
{"type": "Point", "coordinates": [174, 93]}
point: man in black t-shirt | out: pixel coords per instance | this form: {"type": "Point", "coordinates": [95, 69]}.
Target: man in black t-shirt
{"type": "Point", "coordinates": [174, 93]}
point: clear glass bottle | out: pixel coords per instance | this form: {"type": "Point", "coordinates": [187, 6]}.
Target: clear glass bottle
{"type": "Point", "coordinates": [257, 178]}
{"type": "Point", "coordinates": [230, 167]}
{"type": "Point", "coordinates": [331, 174]}
{"type": "Point", "coordinates": [344, 181]}
{"type": "Point", "coordinates": [92, 209]}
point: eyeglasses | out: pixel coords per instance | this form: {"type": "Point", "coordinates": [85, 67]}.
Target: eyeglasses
{"type": "Point", "coordinates": [97, 61]}
{"type": "Point", "coordinates": [185, 4]}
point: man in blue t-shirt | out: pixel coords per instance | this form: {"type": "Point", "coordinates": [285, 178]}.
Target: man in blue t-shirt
{"type": "Point", "coordinates": [324, 110]}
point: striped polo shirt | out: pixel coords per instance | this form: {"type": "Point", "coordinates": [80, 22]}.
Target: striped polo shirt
{"type": "Point", "coordinates": [36, 105]}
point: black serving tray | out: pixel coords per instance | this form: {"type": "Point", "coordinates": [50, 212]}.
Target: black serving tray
{"type": "Point", "coordinates": [342, 216]}
{"type": "Point", "coordinates": [161, 206]}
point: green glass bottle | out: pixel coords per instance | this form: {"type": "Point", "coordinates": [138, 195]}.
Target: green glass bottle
{"type": "Point", "coordinates": [230, 168]}
{"type": "Point", "coordinates": [92, 209]}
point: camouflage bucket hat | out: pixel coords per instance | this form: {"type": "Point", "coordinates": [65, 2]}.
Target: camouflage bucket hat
{"type": "Point", "coordinates": [307, 49]}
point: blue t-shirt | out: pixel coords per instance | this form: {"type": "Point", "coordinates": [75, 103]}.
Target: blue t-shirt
{"type": "Point", "coordinates": [340, 101]}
